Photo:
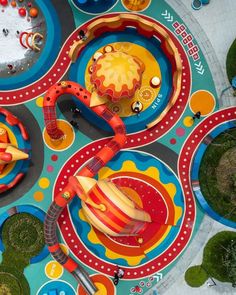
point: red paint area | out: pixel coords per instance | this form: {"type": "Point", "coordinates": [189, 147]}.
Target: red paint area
{"type": "Point", "coordinates": [152, 202]}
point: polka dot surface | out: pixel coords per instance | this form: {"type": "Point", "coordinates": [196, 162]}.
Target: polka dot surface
{"type": "Point", "coordinates": [44, 183]}
{"type": "Point", "coordinates": [172, 141]}
{"type": "Point", "coordinates": [39, 102]}
{"type": "Point", "coordinates": [188, 121]}
{"type": "Point", "coordinates": [50, 168]}
{"type": "Point", "coordinates": [54, 158]}
{"type": "Point", "coordinates": [180, 131]}
{"type": "Point", "coordinates": [38, 196]}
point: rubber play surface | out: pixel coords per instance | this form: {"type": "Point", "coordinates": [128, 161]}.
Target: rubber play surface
{"type": "Point", "coordinates": [155, 165]}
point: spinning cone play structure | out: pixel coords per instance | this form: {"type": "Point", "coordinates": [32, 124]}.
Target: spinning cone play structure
{"type": "Point", "coordinates": [108, 209]}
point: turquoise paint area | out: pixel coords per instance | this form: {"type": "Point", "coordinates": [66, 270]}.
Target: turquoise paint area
{"type": "Point", "coordinates": [48, 55]}
{"type": "Point", "coordinates": [142, 162]}
{"type": "Point", "coordinates": [135, 122]}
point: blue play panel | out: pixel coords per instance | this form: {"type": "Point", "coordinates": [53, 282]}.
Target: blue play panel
{"type": "Point", "coordinates": [94, 6]}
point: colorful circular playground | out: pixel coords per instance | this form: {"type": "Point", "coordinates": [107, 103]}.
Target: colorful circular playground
{"type": "Point", "coordinates": [113, 146]}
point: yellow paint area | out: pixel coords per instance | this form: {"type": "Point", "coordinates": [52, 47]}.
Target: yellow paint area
{"type": "Point", "coordinates": [65, 142]}
{"type": "Point", "coordinates": [13, 141]}
{"type": "Point", "coordinates": [44, 182]}
{"type": "Point", "coordinates": [202, 101]}
{"type": "Point", "coordinates": [146, 94]}
{"type": "Point", "coordinates": [119, 67]}
{"type": "Point", "coordinates": [53, 270]}
{"type": "Point", "coordinates": [102, 290]}
{"type": "Point", "coordinates": [39, 101]}
{"type": "Point", "coordinates": [136, 5]}
{"type": "Point", "coordinates": [188, 121]}
{"type": "Point", "coordinates": [93, 238]}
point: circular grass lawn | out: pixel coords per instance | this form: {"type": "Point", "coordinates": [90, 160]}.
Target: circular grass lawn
{"type": "Point", "coordinates": [231, 62]}
{"type": "Point", "coordinates": [217, 174]}
{"type": "Point", "coordinates": [13, 282]}
{"type": "Point", "coordinates": [218, 261]}
{"type": "Point", "coordinates": [23, 238]}
{"type": "Point", "coordinates": [23, 233]}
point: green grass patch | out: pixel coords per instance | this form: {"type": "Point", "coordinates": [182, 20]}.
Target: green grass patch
{"type": "Point", "coordinates": [196, 276]}
{"type": "Point", "coordinates": [214, 254]}
{"type": "Point", "coordinates": [219, 261]}
{"type": "Point", "coordinates": [222, 203]}
{"type": "Point", "coordinates": [13, 282]}
{"type": "Point", "coordinates": [23, 238]}
{"type": "Point", "coordinates": [231, 62]}
{"type": "Point", "coordinates": [23, 233]}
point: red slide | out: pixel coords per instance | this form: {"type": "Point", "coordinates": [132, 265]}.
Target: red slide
{"type": "Point", "coordinates": [73, 188]}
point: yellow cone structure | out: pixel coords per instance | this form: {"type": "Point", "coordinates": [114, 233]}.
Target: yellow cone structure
{"type": "Point", "coordinates": [121, 215]}
{"type": "Point", "coordinates": [15, 153]}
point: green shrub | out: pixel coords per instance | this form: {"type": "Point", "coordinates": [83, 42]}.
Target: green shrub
{"type": "Point", "coordinates": [23, 238]}
{"type": "Point", "coordinates": [13, 282]}
{"type": "Point", "coordinates": [231, 62]}
{"type": "Point", "coordinates": [23, 233]}
{"type": "Point", "coordinates": [214, 254]}
{"type": "Point", "coordinates": [196, 276]}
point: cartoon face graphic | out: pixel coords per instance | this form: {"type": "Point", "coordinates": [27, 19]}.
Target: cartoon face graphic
{"type": "Point", "coordinates": [66, 195]}
{"type": "Point", "coordinates": [2, 131]}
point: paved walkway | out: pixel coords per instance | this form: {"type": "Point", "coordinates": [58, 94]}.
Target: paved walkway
{"type": "Point", "coordinates": [212, 26]}
{"type": "Point", "coordinates": [218, 22]}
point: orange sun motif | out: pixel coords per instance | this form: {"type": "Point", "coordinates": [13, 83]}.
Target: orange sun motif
{"type": "Point", "coordinates": [117, 75]}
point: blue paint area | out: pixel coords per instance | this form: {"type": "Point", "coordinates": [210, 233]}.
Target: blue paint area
{"type": "Point", "coordinates": [35, 211]}
{"type": "Point", "coordinates": [136, 122]}
{"type": "Point", "coordinates": [22, 165]}
{"type": "Point", "coordinates": [142, 162]}
{"type": "Point", "coordinates": [57, 288]}
{"type": "Point", "coordinates": [195, 176]}
{"type": "Point", "coordinates": [234, 82]}
{"type": "Point", "coordinates": [94, 6]}
{"type": "Point", "coordinates": [48, 55]}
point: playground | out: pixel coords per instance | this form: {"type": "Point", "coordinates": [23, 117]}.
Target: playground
{"type": "Point", "coordinates": [110, 121]}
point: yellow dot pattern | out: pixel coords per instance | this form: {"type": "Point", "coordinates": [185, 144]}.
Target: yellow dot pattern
{"type": "Point", "coordinates": [44, 183]}
{"type": "Point", "coordinates": [188, 121]}
{"type": "Point", "coordinates": [39, 102]}
{"type": "Point", "coordinates": [53, 270]}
